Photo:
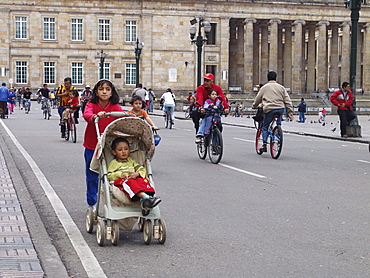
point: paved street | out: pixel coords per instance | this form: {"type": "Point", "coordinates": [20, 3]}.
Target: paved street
{"type": "Point", "coordinates": [17, 254]}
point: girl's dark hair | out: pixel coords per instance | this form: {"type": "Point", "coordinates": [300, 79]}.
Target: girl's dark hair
{"type": "Point", "coordinates": [75, 93]}
{"type": "Point", "coordinates": [119, 140]}
{"type": "Point", "coordinates": [135, 98]}
{"type": "Point", "coordinates": [114, 99]}
{"type": "Point", "coordinates": [212, 90]}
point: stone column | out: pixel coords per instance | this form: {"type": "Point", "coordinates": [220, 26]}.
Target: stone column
{"type": "Point", "coordinates": [366, 59]}
{"type": "Point", "coordinates": [248, 55]}
{"type": "Point", "coordinates": [273, 55]}
{"type": "Point", "coordinates": [311, 59]}
{"type": "Point", "coordinates": [346, 52]}
{"type": "Point", "coordinates": [233, 62]}
{"type": "Point", "coordinates": [288, 56]}
{"type": "Point", "coordinates": [256, 55]}
{"type": "Point", "coordinates": [224, 53]}
{"type": "Point", "coordinates": [322, 56]}
{"type": "Point", "coordinates": [280, 55]}
{"type": "Point", "coordinates": [334, 58]}
{"type": "Point", "coordinates": [264, 53]}
{"type": "Point", "coordinates": [298, 72]}
{"type": "Point", "coordinates": [358, 57]}
{"type": "Point", "coordinates": [240, 56]}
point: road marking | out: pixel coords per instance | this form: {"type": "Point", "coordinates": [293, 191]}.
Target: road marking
{"type": "Point", "coordinates": [364, 161]}
{"type": "Point", "coordinates": [245, 140]}
{"type": "Point", "coordinates": [241, 171]}
{"type": "Point", "coordinates": [89, 261]}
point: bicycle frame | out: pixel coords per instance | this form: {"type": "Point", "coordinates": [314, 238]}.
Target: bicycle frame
{"type": "Point", "coordinates": [275, 134]}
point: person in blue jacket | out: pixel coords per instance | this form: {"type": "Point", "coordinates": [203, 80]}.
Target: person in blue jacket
{"type": "Point", "coordinates": [4, 95]}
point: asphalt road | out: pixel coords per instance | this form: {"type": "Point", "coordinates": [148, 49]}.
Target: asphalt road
{"type": "Point", "coordinates": [303, 215]}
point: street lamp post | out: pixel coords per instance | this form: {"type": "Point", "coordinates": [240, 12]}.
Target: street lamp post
{"type": "Point", "coordinates": [199, 41]}
{"type": "Point", "coordinates": [102, 56]}
{"type": "Point", "coordinates": [355, 6]}
{"type": "Point", "coordinates": [138, 47]}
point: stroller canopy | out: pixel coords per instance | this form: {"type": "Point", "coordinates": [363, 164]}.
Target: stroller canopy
{"type": "Point", "coordinates": [137, 132]}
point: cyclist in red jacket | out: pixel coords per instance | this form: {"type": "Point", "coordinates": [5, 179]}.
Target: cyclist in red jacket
{"type": "Point", "coordinates": [202, 95]}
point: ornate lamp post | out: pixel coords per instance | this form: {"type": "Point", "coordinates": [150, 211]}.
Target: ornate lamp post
{"type": "Point", "coordinates": [102, 56]}
{"type": "Point", "coordinates": [199, 41]}
{"type": "Point", "coordinates": [138, 47]}
{"type": "Point", "coordinates": [355, 6]}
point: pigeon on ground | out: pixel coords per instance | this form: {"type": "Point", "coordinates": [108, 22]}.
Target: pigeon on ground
{"type": "Point", "coordinates": [323, 124]}
{"type": "Point", "coordinates": [334, 129]}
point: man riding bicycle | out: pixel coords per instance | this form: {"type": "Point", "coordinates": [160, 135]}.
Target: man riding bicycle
{"type": "Point", "coordinates": [202, 95]}
{"type": "Point", "coordinates": [274, 99]}
{"type": "Point", "coordinates": [45, 96]}
{"type": "Point", "coordinates": [27, 98]}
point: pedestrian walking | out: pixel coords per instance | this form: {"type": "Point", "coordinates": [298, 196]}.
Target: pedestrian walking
{"type": "Point", "coordinates": [302, 110]}
{"type": "Point", "coordinates": [4, 95]}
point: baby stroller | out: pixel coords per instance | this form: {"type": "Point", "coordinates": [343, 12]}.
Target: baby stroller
{"type": "Point", "coordinates": [114, 210]}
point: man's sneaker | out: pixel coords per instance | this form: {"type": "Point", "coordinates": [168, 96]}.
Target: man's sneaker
{"type": "Point", "coordinates": [263, 149]}
{"type": "Point", "coordinates": [63, 135]}
{"type": "Point", "coordinates": [198, 139]}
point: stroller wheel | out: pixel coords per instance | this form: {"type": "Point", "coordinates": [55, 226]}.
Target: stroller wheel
{"type": "Point", "coordinates": [162, 231]}
{"type": "Point", "coordinates": [140, 224]}
{"type": "Point", "coordinates": [100, 232]}
{"type": "Point", "coordinates": [115, 232]}
{"type": "Point", "coordinates": [89, 220]}
{"type": "Point", "coordinates": [148, 231]}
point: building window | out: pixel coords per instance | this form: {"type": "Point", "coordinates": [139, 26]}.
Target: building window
{"type": "Point", "coordinates": [77, 29]}
{"type": "Point", "coordinates": [212, 35]}
{"type": "Point", "coordinates": [20, 72]}
{"type": "Point", "coordinates": [130, 74]}
{"type": "Point", "coordinates": [21, 27]}
{"type": "Point", "coordinates": [49, 72]}
{"type": "Point", "coordinates": [106, 71]}
{"type": "Point", "coordinates": [77, 71]}
{"type": "Point", "coordinates": [49, 28]}
{"type": "Point", "coordinates": [130, 31]}
{"type": "Point", "coordinates": [104, 30]}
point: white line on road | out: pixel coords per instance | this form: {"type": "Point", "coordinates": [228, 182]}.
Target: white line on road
{"type": "Point", "coordinates": [241, 170]}
{"type": "Point", "coordinates": [364, 161]}
{"type": "Point", "coordinates": [245, 140]}
{"type": "Point", "coordinates": [89, 261]}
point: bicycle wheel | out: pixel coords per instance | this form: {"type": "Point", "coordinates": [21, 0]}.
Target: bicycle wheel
{"type": "Point", "coordinates": [67, 130]}
{"type": "Point", "coordinates": [215, 146]}
{"type": "Point", "coordinates": [187, 113]}
{"type": "Point", "coordinates": [170, 122]}
{"type": "Point", "coordinates": [73, 131]}
{"type": "Point", "coordinates": [276, 142]}
{"type": "Point", "coordinates": [202, 148]}
{"type": "Point", "coordinates": [165, 119]}
{"type": "Point", "coordinates": [259, 140]}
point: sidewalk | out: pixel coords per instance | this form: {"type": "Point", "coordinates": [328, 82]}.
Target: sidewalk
{"type": "Point", "coordinates": [18, 257]}
{"type": "Point", "coordinates": [311, 127]}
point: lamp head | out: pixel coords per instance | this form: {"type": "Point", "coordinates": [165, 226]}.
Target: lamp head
{"type": "Point", "coordinates": [193, 31]}
{"type": "Point", "coordinates": [207, 27]}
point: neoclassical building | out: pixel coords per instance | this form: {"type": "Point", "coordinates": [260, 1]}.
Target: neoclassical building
{"type": "Point", "coordinates": [306, 42]}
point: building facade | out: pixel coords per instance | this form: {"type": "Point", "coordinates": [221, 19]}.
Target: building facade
{"type": "Point", "coordinates": [306, 42]}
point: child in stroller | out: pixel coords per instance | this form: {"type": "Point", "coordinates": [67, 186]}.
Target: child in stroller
{"type": "Point", "coordinates": [129, 176]}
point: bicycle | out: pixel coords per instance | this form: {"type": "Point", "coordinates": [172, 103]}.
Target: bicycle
{"type": "Point", "coordinates": [275, 133]}
{"type": "Point", "coordinates": [167, 118]}
{"type": "Point", "coordinates": [187, 112]}
{"type": "Point", "coordinates": [212, 143]}
{"type": "Point", "coordinates": [46, 108]}
{"type": "Point", "coordinates": [26, 105]}
{"type": "Point", "coordinates": [70, 127]}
